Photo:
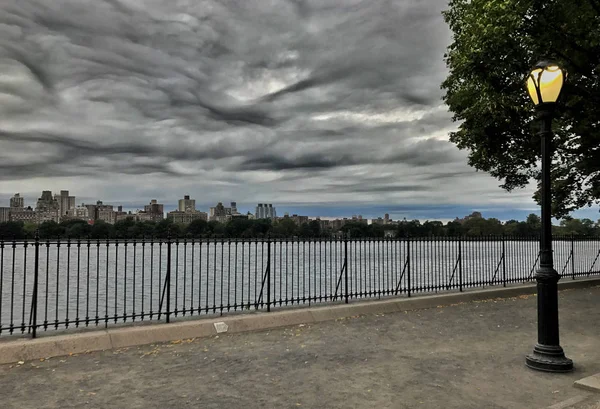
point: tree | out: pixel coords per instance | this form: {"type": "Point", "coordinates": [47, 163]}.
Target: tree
{"type": "Point", "coordinates": [285, 228]}
{"type": "Point", "coordinates": [495, 43]}
{"type": "Point", "coordinates": [51, 229]}
{"type": "Point", "coordinates": [78, 230]}
{"type": "Point", "coordinates": [433, 228]}
{"type": "Point", "coordinates": [356, 230]}
{"type": "Point", "coordinates": [533, 224]}
{"type": "Point", "coordinates": [454, 228]}
{"type": "Point", "coordinates": [238, 227]}
{"type": "Point", "coordinates": [121, 227]}
{"type": "Point", "coordinates": [101, 230]}
{"type": "Point", "coordinates": [11, 230]}
{"type": "Point", "coordinates": [315, 228]}
{"type": "Point", "coordinates": [29, 229]}
{"type": "Point", "coordinates": [197, 228]}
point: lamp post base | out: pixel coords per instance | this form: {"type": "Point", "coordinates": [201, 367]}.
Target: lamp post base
{"type": "Point", "coordinates": [549, 358]}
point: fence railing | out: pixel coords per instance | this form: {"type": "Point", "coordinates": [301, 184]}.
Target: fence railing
{"type": "Point", "coordinates": [63, 283]}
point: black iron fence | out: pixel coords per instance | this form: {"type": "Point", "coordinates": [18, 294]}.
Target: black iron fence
{"type": "Point", "coordinates": [64, 283]}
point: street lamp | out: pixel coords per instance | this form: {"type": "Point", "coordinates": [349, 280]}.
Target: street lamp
{"type": "Point", "coordinates": [544, 85]}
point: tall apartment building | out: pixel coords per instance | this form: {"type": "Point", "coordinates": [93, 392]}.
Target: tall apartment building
{"type": "Point", "coordinates": [102, 212]}
{"type": "Point", "coordinates": [65, 202]}
{"type": "Point", "coordinates": [265, 211]}
{"type": "Point", "coordinates": [234, 209]}
{"type": "Point", "coordinates": [47, 208]}
{"type": "Point", "coordinates": [46, 202]}
{"type": "Point", "coordinates": [153, 211]}
{"type": "Point", "coordinates": [219, 213]}
{"type": "Point", "coordinates": [17, 202]}
{"type": "Point", "coordinates": [186, 204]}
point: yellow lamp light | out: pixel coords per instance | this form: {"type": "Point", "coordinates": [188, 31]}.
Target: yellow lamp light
{"type": "Point", "coordinates": [545, 82]}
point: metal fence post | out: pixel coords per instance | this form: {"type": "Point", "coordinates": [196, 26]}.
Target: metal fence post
{"type": "Point", "coordinates": [503, 260]}
{"type": "Point", "coordinates": [269, 273]}
{"type": "Point", "coordinates": [408, 261]}
{"type": "Point", "coordinates": [34, 299]}
{"type": "Point", "coordinates": [168, 284]}
{"type": "Point", "coordinates": [460, 277]}
{"type": "Point", "coordinates": [346, 267]}
{"type": "Point", "coordinates": [573, 256]}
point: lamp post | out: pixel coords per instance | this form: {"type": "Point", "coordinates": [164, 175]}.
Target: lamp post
{"type": "Point", "coordinates": [544, 85]}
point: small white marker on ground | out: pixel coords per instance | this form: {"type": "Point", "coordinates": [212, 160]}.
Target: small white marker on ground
{"type": "Point", "coordinates": [221, 327]}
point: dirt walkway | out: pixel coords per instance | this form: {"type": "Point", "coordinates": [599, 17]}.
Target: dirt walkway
{"type": "Point", "coordinates": [460, 356]}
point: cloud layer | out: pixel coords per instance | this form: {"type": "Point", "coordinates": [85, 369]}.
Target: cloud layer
{"type": "Point", "coordinates": [297, 101]}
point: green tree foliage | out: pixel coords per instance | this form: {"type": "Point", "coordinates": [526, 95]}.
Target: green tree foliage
{"type": "Point", "coordinates": [10, 230]}
{"type": "Point", "coordinates": [197, 228]}
{"type": "Point", "coordinates": [358, 230]}
{"type": "Point", "coordinates": [495, 44]}
{"type": "Point", "coordinates": [286, 228]}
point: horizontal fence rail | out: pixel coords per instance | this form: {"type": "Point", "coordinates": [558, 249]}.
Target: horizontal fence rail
{"type": "Point", "coordinates": [63, 283]}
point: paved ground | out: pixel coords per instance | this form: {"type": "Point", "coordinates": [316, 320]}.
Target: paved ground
{"type": "Point", "coordinates": [459, 356]}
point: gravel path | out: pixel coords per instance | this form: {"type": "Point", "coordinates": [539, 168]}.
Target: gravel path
{"type": "Point", "coordinates": [459, 356]}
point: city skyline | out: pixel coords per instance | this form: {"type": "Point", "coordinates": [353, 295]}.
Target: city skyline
{"type": "Point", "coordinates": [442, 213]}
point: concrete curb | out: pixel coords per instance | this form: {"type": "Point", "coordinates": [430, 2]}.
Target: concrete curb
{"type": "Point", "coordinates": [591, 383]}
{"type": "Point", "coordinates": [98, 340]}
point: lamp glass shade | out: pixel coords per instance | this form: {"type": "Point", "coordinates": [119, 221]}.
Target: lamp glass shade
{"type": "Point", "coordinates": [545, 83]}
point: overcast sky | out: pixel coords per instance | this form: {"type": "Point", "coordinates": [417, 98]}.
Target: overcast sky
{"type": "Point", "coordinates": [312, 105]}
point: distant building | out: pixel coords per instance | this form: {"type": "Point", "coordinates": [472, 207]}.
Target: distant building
{"type": "Point", "coordinates": [46, 216]}
{"type": "Point", "coordinates": [80, 213]}
{"type": "Point", "coordinates": [219, 213]}
{"type": "Point", "coordinates": [338, 223]}
{"type": "Point", "coordinates": [47, 208]}
{"type": "Point", "coordinates": [24, 215]}
{"type": "Point", "coordinates": [143, 217]}
{"type": "Point", "coordinates": [234, 210]}
{"type": "Point", "coordinates": [105, 213]}
{"type": "Point", "coordinates": [300, 219]}
{"type": "Point", "coordinates": [180, 217]}
{"type": "Point", "coordinates": [100, 211]}
{"type": "Point", "coordinates": [325, 224]}
{"type": "Point", "coordinates": [120, 216]}
{"type": "Point", "coordinates": [186, 204]}
{"type": "Point", "coordinates": [379, 220]}
{"type": "Point", "coordinates": [386, 219]}
{"type": "Point", "coordinates": [65, 202]}
{"type": "Point", "coordinates": [265, 211]}
{"type": "Point", "coordinates": [17, 202]}
{"type": "Point", "coordinates": [4, 214]}
{"type": "Point", "coordinates": [152, 212]}
{"type": "Point", "coordinates": [46, 202]}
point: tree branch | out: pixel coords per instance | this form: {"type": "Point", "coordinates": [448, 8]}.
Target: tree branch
{"type": "Point", "coordinates": [595, 5]}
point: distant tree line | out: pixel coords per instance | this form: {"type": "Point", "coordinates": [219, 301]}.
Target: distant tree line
{"type": "Point", "coordinates": [246, 228]}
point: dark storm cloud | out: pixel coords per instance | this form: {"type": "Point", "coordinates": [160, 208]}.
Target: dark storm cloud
{"type": "Point", "coordinates": [226, 89]}
{"type": "Point", "coordinates": [422, 153]}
